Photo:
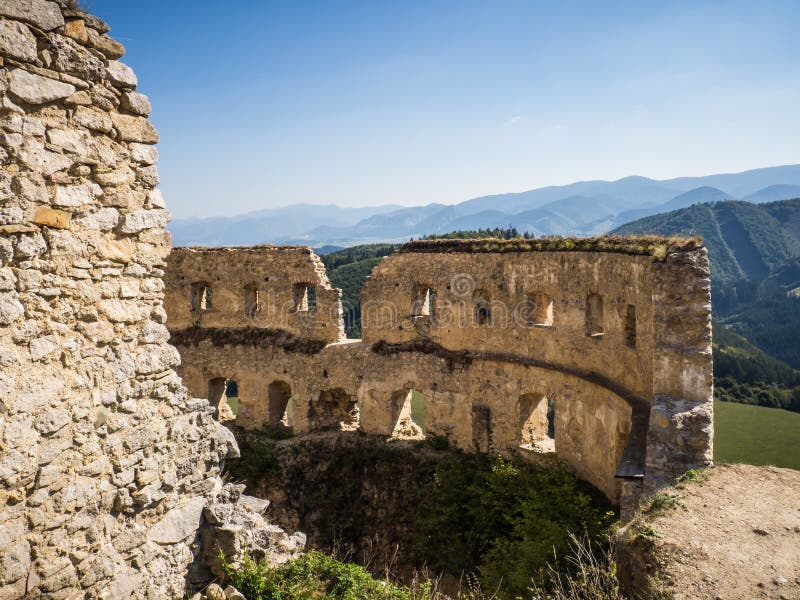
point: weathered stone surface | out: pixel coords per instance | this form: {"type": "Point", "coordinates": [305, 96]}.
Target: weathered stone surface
{"type": "Point", "coordinates": [144, 219]}
{"type": "Point", "coordinates": [134, 129]}
{"type": "Point", "coordinates": [144, 154]}
{"type": "Point", "coordinates": [76, 196]}
{"type": "Point", "coordinates": [42, 13]}
{"type": "Point", "coordinates": [89, 463]}
{"type": "Point", "coordinates": [102, 220]}
{"type": "Point", "coordinates": [76, 29]}
{"type": "Point", "coordinates": [136, 103]}
{"type": "Point", "coordinates": [36, 89]}
{"type": "Point", "coordinates": [95, 120]}
{"type": "Point", "coordinates": [178, 524]}
{"type": "Point", "coordinates": [109, 47]}
{"type": "Point", "coordinates": [231, 593]}
{"type": "Point", "coordinates": [51, 217]}
{"type": "Point", "coordinates": [121, 74]}
{"type": "Point", "coordinates": [70, 140]}
{"type": "Point", "coordinates": [10, 308]}
{"type": "Point", "coordinates": [215, 592]}
{"type": "Point", "coordinates": [17, 41]}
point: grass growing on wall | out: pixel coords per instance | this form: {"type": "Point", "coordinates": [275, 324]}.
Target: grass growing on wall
{"type": "Point", "coordinates": [756, 435]}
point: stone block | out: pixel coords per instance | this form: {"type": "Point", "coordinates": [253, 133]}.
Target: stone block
{"type": "Point", "coordinates": [43, 14]}
{"type": "Point", "coordinates": [121, 74]}
{"type": "Point", "coordinates": [178, 524]}
{"type": "Point", "coordinates": [17, 41]}
{"type": "Point", "coordinates": [51, 217]}
{"type": "Point", "coordinates": [134, 129]}
{"type": "Point", "coordinates": [36, 89]}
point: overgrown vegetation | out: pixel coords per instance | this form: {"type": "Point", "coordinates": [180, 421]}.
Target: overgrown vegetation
{"type": "Point", "coordinates": [647, 245]}
{"type": "Point", "coordinates": [317, 576]}
{"type": "Point", "coordinates": [451, 512]}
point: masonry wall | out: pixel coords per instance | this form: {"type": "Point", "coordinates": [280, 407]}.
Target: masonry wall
{"type": "Point", "coordinates": [104, 461]}
{"type": "Point", "coordinates": [480, 334]}
{"type": "Point", "coordinates": [268, 287]}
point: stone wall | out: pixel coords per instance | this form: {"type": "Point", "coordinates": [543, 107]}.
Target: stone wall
{"type": "Point", "coordinates": [105, 462]}
{"type": "Point", "coordinates": [269, 287]}
{"type": "Point", "coordinates": [489, 338]}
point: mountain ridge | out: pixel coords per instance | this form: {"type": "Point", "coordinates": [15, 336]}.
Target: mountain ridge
{"type": "Point", "coordinates": [581, 208]}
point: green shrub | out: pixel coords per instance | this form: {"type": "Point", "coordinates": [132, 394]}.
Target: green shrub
{"type": "Point", "coordinates": [318, 576]}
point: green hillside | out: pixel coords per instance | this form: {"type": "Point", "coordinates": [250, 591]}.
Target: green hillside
{"type": "Point", "coordinates": [746, 374]}
{"type": "Point", "coordinates": [756, 435]}
{"type": "Point", "coordinates": [754, 251]}
{"type": "Point", "coordinates": [745, 241]}
{"type": "Point", "coordinates": [348, 269]}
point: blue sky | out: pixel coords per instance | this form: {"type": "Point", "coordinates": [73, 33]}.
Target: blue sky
{"type": "Point", "coordinates": [263, 104]}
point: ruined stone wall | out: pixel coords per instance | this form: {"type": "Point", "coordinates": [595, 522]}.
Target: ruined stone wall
{"type": "Point", "coordinates": [489, 339]}
{"type": "Point", "coordinates": [104, 460]}
{"type": "Point", "coordinates": [269, 287]}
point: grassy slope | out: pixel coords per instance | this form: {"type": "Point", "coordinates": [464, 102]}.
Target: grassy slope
{"type": "Point", "coordinates": [756, 435]}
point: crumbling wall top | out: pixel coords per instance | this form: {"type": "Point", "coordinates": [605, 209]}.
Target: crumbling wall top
{"type": "Point", "coordinates": [267, 287]}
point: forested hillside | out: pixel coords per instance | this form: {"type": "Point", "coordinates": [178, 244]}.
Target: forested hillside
{"type": "Point", "coordinates": [755, 266]}
{"type": "Point", "coordinates": [745, 241]}
{"type": "Point", "coordinates": [348, 269]}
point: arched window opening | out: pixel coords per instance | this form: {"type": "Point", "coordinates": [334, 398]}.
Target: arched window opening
{"type": "Point", "coordinates": [594, 315]}
{"type": "Point", "coordinates": [252, 304]}
{"type": "Point", "coordinates": [200, 297]}
{"type": "Point", "coordinates": [539, 310]}
{"type": "Point", "coordinates": [536, 423]}
{"type": "Point", "coordinates": [281, 408]}
{"type": "Point", "coordinates": [482, 311]}
{"type": "Point", "coordinates": [223, 394]}
{"type": "Point", "coordinates": [304, 297]}
{"type": "Point", "coordinates": [423, 304]}
{"type": "Point", "coordinates": [333, 409]}
{"type": "Point", "coordinates": [408, 414]}
{"type": "Point", "coordinates": [630, 326]}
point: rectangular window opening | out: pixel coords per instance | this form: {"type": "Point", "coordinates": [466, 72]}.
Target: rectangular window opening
{"type": "Point", "coordinates": [201, 297]}
{"type": "Point", "coordinates": [304, 297]}
{"type": "Point", "coordinates": [594, 315]}
{"type": "Point", "coordinates": [630, 326]}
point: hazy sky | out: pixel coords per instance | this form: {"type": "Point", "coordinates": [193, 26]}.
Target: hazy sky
{"type": "Point", "coordinates": [263, 104]}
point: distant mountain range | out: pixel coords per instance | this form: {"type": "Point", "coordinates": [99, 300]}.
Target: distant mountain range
{"type": "Point", "coordinates": [582, 208]}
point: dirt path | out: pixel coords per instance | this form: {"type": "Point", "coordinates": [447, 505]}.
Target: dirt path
{"type": "Point", "coordinates": [734, 533]}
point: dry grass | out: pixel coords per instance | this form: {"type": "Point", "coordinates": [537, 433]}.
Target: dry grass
{"type": "Point", "coordinates": [644, 245]}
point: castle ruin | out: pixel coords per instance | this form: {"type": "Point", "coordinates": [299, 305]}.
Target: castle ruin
{"type": "Point", "coordinates": [614, 340]}
{"type": "Point", "coordinates": [110, 471]}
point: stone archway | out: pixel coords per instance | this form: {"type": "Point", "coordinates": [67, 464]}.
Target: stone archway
{"type": "Point", "coordinates": [333, 409]}
{"type": "Point", "coordinates": [281, 407]}
{"type": "Point", "coordinates": [408, 414]}
{"type": "Point", "coordinates": [217, 397]}
{"type": "Point", "coordinates": [536, 422]}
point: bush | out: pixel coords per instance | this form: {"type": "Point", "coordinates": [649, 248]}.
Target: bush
{"type": "Point", "coordinates": [315, 575]}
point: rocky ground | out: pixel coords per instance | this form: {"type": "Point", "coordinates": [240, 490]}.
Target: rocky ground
{"type": "Point", "coordinates": [732, 533]}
